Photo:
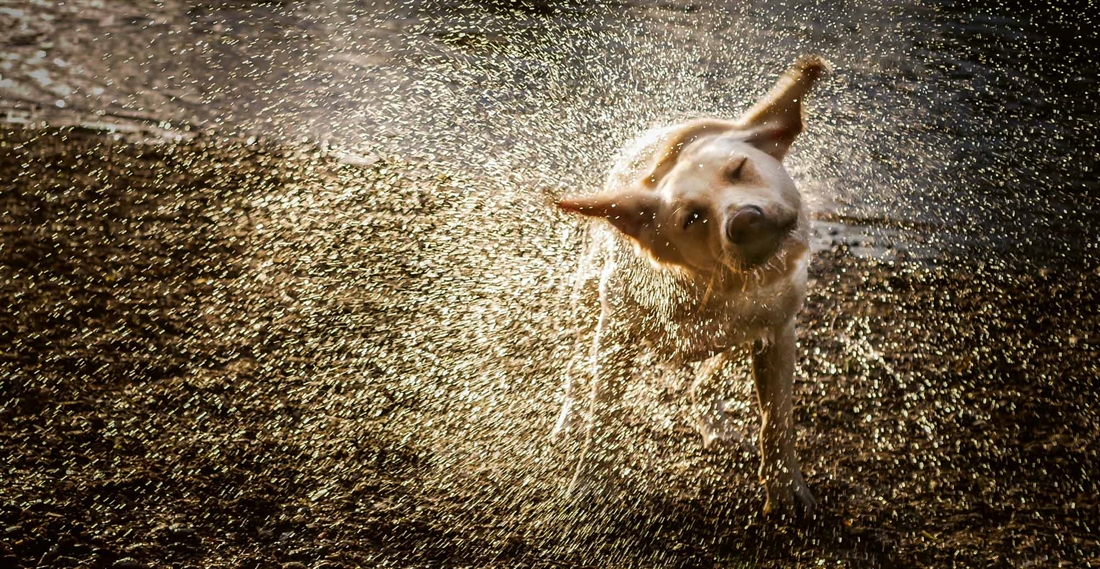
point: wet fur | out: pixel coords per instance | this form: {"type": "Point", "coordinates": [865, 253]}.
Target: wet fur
{"type": "Point", "coordinates": [689, 292]}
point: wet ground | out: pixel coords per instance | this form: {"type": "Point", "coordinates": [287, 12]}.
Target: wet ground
{"type": "Point", "coordinates": [216, 353]}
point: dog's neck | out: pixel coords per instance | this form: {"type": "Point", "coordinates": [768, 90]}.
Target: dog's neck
{"type": "Point", "coordinates": [724, 282]}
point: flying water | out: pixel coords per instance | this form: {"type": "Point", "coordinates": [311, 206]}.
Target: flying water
{"type": "Point", "coordinates": [427, 283]}
{"type": "Point", "coordinates": [956, 124]}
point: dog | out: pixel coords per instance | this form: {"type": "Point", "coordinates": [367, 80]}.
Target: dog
{"type": "Point", "coordinates": [700, 246]}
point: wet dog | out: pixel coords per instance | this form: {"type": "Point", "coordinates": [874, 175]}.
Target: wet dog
{"type": "Point", "coordinates": [701, 246]}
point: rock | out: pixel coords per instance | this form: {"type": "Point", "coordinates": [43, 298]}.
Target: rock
{"type": "Point", "coordinates": [127, 563]}
{"type": "Point", "coordinates": [181, 531]}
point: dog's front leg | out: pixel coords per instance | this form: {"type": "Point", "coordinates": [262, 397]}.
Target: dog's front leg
{"type": "Point", "coordinates": [773, 372]}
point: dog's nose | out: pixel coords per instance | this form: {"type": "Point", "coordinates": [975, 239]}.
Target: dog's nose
{"type": "Point", "coordinates": [746, 225]}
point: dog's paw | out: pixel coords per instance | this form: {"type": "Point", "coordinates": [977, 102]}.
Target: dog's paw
{"type": "Point", "coordinates": [790, 502]}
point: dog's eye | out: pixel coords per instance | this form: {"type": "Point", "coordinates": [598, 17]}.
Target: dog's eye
{"type": "Point", "coordinates": [692, 217]}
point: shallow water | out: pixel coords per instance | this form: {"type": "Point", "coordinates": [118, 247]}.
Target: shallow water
{"type": "Point", "coordinates": [949, 124]}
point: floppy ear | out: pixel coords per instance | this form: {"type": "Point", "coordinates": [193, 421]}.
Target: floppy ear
{"type": "Point", "coordinates": [629, 212]}
{"type": "Point", "coordinates": [776, 119]}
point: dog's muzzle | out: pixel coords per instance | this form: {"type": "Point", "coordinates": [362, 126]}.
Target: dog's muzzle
{"type": "Point", "coordinates": [745, 225]}
{"type": "Point", "coordinates": [755, 235]}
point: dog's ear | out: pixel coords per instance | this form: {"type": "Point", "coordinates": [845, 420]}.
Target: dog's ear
{"type": "Point", "coordinates": [629, 212]}
{"type": "Point", "coordinates": [775, 121]}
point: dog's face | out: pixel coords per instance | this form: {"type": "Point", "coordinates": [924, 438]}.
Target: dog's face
{"type": "Point", "coordinates": [719, 202]}
{"type": "Point", "coordinates": [714, 195]}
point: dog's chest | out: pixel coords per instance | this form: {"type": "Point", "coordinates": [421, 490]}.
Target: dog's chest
{"type": "Point", "coordinates": [680, 319]}
{"type": "Point", "coordinates": [678, 325]}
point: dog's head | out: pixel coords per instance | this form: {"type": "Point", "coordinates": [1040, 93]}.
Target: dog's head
{"type": "Point", "coordinates": [715, 194]}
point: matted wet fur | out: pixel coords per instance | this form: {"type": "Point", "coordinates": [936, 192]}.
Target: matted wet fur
{"type": "Point", "coordinates": [700, 246]}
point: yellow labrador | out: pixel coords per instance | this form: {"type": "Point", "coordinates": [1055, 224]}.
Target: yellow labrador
{"type": "Point", "coordinates": [701, 246]}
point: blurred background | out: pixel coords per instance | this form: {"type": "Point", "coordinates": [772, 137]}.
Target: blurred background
{"type": "Point", "coordinates": [947, 124]}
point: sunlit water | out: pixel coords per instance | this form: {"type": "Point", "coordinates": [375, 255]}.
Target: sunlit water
{"type": "Point", "coordinates": [422, 320]}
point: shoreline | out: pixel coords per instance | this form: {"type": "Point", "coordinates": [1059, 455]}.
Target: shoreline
{"type": "Point", "coordinates": [223, 354]}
